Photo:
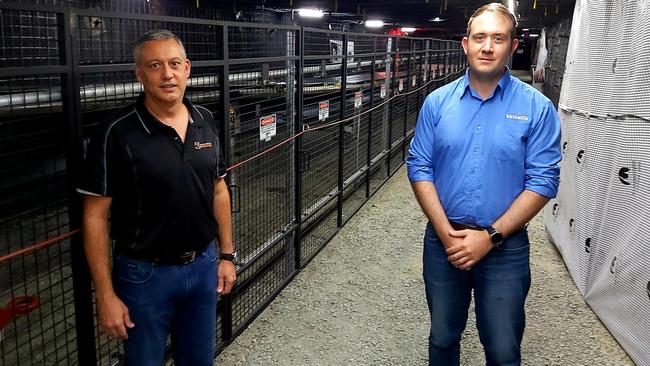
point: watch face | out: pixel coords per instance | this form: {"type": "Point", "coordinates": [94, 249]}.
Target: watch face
{"type": "Point", "coordinates": [495, 236]}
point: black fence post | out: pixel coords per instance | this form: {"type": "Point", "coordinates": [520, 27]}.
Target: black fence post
{"type": "Point", "coordinates": [447, 59]}
{"type": "Point", "coordinates": [225, 301]}
{"type": "Point", "coordinates": [341, 134]}
{"type": "Point", "coordinates": [422, 53]}
{"type": "Point", "coordinates": [391, 107]}
{"type": "Point", "coordinates": [409, 87]}
{"type": "Point", "coordinates": [430, 77]}
{"type": "Point", "coordinates": [371, 104]}
{"type": "Point", "coordinates": [82, 289]}
{"type": "Point", "coordinates": [300, 46]}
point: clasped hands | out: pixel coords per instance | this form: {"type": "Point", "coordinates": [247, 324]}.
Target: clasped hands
{"type": "Point", "coordinates": [467, 247]}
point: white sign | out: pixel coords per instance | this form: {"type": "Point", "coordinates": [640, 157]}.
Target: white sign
{"type": "Point", "coordinates": [323, 110]}
{"type": "Point", "coordinates": [358, 97]}
{"type": "Point", "coordinates": [382, 92]}
{"type": "Point", "coordinates": [401, 85]}
{"type": "Point", "coordinates": [414, 80]}
{"type": "Point", "coordinates": [267, 127]}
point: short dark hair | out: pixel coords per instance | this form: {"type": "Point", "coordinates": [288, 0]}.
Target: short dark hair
{"type": "Point", "coordinates": [155, 35]}
{"type": "Point", "coordinates": [499, 9]}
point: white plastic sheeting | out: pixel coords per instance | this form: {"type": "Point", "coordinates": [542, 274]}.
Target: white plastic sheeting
{"type": "Point", "coordinates": [600, 220]}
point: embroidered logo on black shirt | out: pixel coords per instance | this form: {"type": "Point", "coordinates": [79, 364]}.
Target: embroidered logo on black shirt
{"type": "Point", "coordinates": [202, 145]}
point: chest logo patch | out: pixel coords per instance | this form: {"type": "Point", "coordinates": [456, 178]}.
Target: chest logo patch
{"type": "Point", "coordinates": [202, 145]}
{"type": "Point", "coordinates": [517, 117]}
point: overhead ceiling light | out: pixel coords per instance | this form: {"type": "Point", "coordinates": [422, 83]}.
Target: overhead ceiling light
{"type": "Point", "coordinates": [436, 19]}
{"type": "Point", "coordinates": [408, 29]}
{"type": "Point", "coordinates": [526, 29]}
{"type": "Point", "coordinates": [533, 35]}
{"type": "Point", "coordinates": [374, 23]}
{"type": "Point", "coordinates": [310, 13]}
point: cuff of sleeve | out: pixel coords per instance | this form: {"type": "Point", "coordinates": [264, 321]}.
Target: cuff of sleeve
{"type": "Point", "coordinates": [88, 193]}
{"type": "Point", "coordinates": [420, 173]}
{"type": "Point", "coordinates": [545, 190]}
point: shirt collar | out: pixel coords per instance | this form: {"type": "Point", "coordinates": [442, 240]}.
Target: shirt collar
{"type": "Point", "coordinates": [502, 85]}
{"type": "Point", "coordinates": [151, 123]}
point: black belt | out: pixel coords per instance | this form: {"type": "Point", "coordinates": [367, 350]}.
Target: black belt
{"type": "Point", "coordinates": [175, 259]}
{"type": "Point", "coordinates": [459, 226]}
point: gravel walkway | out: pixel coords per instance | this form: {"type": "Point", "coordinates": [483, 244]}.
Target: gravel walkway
{"type": "Point", "coordinates": [361, 302]}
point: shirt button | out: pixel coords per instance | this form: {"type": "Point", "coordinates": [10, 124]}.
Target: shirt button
{"type": "Point", "coordinates": [471, 171]}
{"type": "Point", "coordinates": [478, 127]}
{"type": "Point", "coordinates": [469, 194]}
{"type": "Point", "coordinates": [476, 149]}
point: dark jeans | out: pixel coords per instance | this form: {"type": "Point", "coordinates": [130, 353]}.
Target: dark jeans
{"type": "Point", "coordinates": [500, 281]}
{"type": "Point", "coordinates": [164, 300]}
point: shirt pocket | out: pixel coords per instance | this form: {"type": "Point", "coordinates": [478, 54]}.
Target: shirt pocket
{"type": "Point", "coordinates": [510, 141]}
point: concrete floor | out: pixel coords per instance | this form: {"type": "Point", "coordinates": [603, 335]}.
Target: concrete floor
{"type": "Point", "coordinates": [361, 302]}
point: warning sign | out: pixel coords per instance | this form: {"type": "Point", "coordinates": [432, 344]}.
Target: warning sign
{"type": "Point", "coordinates": [358, 98]}
{"type": "Point", "coordinates": [414, 80]}
{"type": "Point", "coordinates": [382, 92]}
{"type": "Point", "coordinates": [401, 85]}
{"type": "Point", "coordinates": [323, 110]}
{"type": "Point", "coordinates": [267, 127]}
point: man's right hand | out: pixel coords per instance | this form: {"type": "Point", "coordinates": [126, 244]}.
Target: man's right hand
{"type": "Point", "coordinates": [113, 317]}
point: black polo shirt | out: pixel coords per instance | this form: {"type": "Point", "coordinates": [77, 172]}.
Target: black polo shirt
{"type": "Point", "coordinates": [162, 188]}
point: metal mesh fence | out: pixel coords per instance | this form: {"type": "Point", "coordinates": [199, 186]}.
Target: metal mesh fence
{"type": "Point", "coordinates": [29, 38]}
{"type": "Point", "coordinates": [37, 314]}
{"type": "Point", "coordinates": [106, 40]}
{"type": "Point", "coordinates": [313, 122]}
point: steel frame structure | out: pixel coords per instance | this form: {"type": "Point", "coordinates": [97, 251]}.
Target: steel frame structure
{"type": "Point", "coordinates": [291, 192]}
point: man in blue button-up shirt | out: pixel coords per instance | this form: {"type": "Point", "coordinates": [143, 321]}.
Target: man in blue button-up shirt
{"type": "Point", "coordinates": [483, 162]}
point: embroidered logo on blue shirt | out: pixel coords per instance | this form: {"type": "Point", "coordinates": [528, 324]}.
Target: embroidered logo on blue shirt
{"type": "Point", "coordinates": [518, 117]}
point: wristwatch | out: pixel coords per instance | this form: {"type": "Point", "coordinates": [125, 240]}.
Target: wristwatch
{"type": "Point", "coordinates": [495, 236]}
{"type": "Point", "coordinates": [232, 257]}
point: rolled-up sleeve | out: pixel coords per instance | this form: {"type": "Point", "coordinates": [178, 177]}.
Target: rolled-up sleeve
{"type": "Point", "coordinates": [543, 154]}
{"type": "Point", "coordinates": [420, 160]}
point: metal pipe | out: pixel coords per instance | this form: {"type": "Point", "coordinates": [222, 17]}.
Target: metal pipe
{"type": "Point", "coordinates": [105, 91]}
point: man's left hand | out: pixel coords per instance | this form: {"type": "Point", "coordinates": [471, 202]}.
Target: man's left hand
{"type": "Point", "coordinates": [226, 277]}
{"type": "Point", "coordinates": [476, 244]}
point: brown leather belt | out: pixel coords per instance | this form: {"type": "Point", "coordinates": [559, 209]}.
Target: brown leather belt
{"type": "Point", "coordinates": [459, 226]}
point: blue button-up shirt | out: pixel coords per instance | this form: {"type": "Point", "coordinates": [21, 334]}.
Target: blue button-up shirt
{"type": "Point", "coordinates": [481, 154]}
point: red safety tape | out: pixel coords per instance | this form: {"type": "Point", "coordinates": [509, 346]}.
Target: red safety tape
{"type": "Point", "coordinates": [16, 307]}
{"type": "Point", "coordinates": [38, 246]}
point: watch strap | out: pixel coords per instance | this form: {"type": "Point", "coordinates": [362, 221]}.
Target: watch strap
{"type": "Point", "coordinates": [228, 256]}
{"type": "Point", "coordinates": [495, 235]}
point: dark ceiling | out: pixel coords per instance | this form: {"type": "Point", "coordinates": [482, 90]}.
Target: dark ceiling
{"type": "Point", "coordinates": [532, 14]}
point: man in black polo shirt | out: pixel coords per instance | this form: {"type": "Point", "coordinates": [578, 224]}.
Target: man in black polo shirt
{"type": "Point", "coordinates": [158, 169]}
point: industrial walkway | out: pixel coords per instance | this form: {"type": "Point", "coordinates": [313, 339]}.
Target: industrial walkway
{"type": "Point", "coordinates": [361, 302]}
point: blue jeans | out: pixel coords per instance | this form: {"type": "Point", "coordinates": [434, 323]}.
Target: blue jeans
{"type": "Point", "coordinates": [169, 300]}
{"type": "Point", "coordinates": [500, 281]}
